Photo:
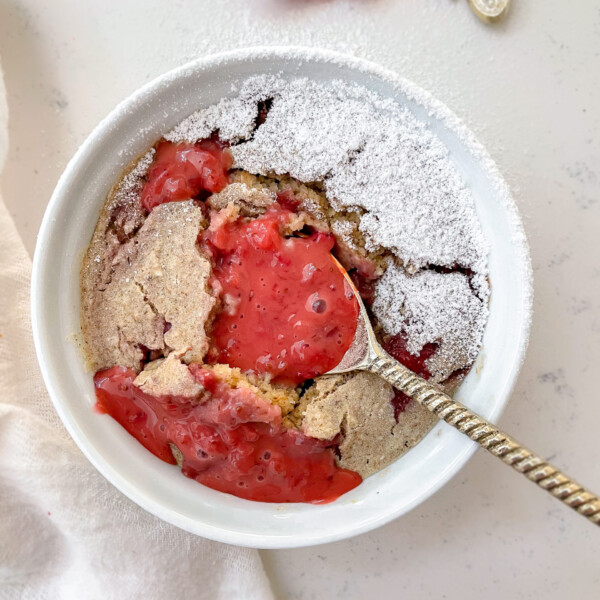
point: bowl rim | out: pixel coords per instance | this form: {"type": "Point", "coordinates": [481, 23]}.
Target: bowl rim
{"type": "Point", "coordinates": [441, 113]}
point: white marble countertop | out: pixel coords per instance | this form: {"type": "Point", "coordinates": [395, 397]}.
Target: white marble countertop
{"type": "Point", "coordinates": [530, 90]}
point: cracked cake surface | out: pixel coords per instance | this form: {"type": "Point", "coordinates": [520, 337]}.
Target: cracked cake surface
{"type": "Point", "coordinates": [343, 163]}
{"type": "Point", "coordinates": [156, 295]}
{"type": "Point", "coordinates": [359, 409]}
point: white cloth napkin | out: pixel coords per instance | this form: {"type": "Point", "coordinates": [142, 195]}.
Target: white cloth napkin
{"type": "Point", "coordinates": [65, 532]}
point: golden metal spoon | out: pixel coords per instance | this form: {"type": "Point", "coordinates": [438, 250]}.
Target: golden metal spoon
{"type": "Point", "coordinates": [365, 354]}
{"type": "Point", "coordinates": [490, 11]}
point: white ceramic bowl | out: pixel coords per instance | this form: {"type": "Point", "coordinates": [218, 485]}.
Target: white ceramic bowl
{"type": "Point", "coordinates": [160, 488]}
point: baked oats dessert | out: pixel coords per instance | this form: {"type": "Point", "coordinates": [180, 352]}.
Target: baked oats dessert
{"type": "Point", "coordinates": [212, 309]}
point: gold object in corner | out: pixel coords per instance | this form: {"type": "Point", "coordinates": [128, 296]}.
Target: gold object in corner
{"type": "Point", "coordinates": [490, 11]}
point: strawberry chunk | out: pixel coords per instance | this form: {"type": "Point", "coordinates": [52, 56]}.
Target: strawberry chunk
{"type": "Point", "coordinates": [182, 171]}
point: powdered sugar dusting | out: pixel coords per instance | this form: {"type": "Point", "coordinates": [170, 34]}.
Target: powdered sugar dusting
{"type": "Point", "coordinates": [304, 134]}
{"type": "Point", "coordinates": [433, 307]}
{"type": "Point", "coordinates": [372, 154]}
{"type": "Point", "coordinates": [130, 187]}
{"type": "Point", "coordinates": [234, 118]}
{"type": "Point", "coordinates": [416, 203]}
{"type": "Point", "coordinates": [343, 231]}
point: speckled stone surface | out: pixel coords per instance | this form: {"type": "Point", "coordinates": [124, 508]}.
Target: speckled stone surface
{"type": "Point", "coordinates": [530, 90]}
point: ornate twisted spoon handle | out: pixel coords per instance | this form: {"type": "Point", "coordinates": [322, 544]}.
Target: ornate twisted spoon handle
{"type": "Point", "coordinates": [488, 436]}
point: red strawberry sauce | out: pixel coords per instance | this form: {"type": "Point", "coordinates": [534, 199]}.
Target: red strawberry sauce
{"type": "Point", "coordinates": [182, 171]}
{"type": "Point", "coordinates": [288, 310]}
{"type": "Point", "coordinates": [233, 442]}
